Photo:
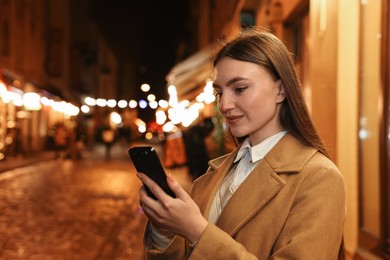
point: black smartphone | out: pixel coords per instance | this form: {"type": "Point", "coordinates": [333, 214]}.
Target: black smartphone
{"type": "Point", "coordinates": [146, 160]}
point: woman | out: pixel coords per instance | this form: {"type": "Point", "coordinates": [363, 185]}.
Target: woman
{"type": "Point", "coordinates": [277, 196]}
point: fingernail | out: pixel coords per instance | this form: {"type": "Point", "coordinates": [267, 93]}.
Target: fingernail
{"type": "Point", "coordinates": [140, 211]}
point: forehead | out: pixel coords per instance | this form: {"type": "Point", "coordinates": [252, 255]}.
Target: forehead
{"type": "Point", "coordinates": [228, 68]}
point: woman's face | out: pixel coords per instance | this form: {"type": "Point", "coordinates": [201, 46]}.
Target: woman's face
{"type": "Point", "coordinates": [248, 98]}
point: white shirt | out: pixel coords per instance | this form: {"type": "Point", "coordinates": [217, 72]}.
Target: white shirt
{"type": "Point", "coordinates": [248, 157]}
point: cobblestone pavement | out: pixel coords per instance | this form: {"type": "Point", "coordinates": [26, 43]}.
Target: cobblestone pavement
{"type": "Point", "coordinates": [73, 209]}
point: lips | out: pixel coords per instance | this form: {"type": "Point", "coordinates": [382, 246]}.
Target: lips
{"type": "Point", "coordinates": [231, 120]}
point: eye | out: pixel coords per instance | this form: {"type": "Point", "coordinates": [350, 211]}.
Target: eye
{"type": "Point", "coordinates": [239, 90]}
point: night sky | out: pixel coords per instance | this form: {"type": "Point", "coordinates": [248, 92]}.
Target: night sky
{"type": "Point", "coordinates": [147, 34]}
{"type": "Point", "coordinates": [143, 32]}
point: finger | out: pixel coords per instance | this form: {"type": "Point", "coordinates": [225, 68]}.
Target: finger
{"type": "Point", "coordinates": [149, 207]}
{"type": "Point", "coordinates": [149, 212]}
{"type": "Point", "coordinates": [142, 193]}
{"type": "Point", "coordinates": [153, 187]}
{"type": "Point", "coordinates": [145, 199]}
{"type": "Point", "coordinates": [175, 186]}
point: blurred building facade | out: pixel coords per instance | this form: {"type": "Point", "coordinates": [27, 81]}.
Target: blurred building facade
{"type": "Point", "coordinates": [341, 50]}
{"type": "Point", "coordinates": [53, 49]}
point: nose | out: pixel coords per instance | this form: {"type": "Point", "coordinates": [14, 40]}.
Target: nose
{"type": "Point", "coordinates": [225, 103]}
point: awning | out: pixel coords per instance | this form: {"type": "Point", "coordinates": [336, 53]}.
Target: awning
{"type": "Point", "coordinates": [63, 94]}
{"type": "Point", "coordinates": [193, 71]}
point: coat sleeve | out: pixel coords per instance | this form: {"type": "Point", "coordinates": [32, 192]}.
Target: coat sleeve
{"type": "Point", "coordinates": [176, 249]}
{"type": "Point", "coordinates": [314, 227]}
{"type": "Point", "coordinates": [217, 244]}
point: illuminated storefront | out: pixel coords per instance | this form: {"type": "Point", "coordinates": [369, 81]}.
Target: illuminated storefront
{"type": "Point", "coordinates": [27, 114]}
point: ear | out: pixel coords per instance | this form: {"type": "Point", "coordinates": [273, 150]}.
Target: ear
{"type": "Point", "coordinates": [281, 94]}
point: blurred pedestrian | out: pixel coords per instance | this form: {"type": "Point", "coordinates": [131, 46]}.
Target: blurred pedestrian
{"type": "Point", "coordinates": [108, 138]}
{"type": "Point", "coordinates": [61, 136]}
{"type": "Point", "coordinates": [277, 195]}
{"type": "Point", "coordinates": [174, 150]}
{"type": "Point", "coordinates": [195, 147]}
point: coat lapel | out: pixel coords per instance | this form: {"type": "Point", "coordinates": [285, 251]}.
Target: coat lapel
{"type": "Point", "coordinates": [288, 156]}
{"type": "Point", "coordinates": [263, 185]}
{"type": "Point", "coordinates": [210, 182]}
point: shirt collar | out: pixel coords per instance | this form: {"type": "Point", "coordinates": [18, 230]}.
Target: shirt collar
{"type": "Point", "coordinates": [257, 152]}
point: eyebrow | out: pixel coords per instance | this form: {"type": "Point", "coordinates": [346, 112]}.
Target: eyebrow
{"type": "Point", "coordinates": [231, 81]}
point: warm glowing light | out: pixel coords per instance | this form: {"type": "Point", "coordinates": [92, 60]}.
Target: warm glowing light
{"type": "Point", "coordinates": [45, 101]}
{"type": "Point", "coordinates": [172, 90]}
{"type": "Point", "coordinates": [17, 100]}
{"type": "Point", "coordinates": [184, 103]}
{"type": "Point", "coordinates": [115, 118]}
{"type": "Point", "coordinates": [163, 103]}
{"type": "Point", "coordinates": [133, 103]}
{"type": "Point", "coordinates": [139, 122]}
{"type": "Point", "coordinates": [16, 83]}
{"type": "Point", "coordinates": [111, 103]}
{"type": "Point", "coordinates": [48, 102]}
{"type": "Point", "coordinates": [142, 129]}
{"type": "Point", "coordinates": [141, 125]}
{"type": "Point", "coordinates": [90, 101]}
{"type": "Point", "coordinates": [201, 97]}
{"type": "Point", "coordinates": [3, 89]}
{"type": "Point", "coordinates": [363, 134]}
{"type": "Point", "coordinates": [153, 104]}
{"type": "Point", "coordinates": [7, 96]}
{"type": "Point", "coordinates": [85, 109]}
{"type": "Point", "coordinates": [68, 109]}
{"type": "Point", "coordinates": [32, 101]}
{"type": "Point", "coordinates": [208, 90]}
{"type": "Point", "coordinates": [148, 135]}
{"type": "Point", "coordinates": [151, 97]}
{"type": "Point", "coordinates": [145, 87]}
{"type": "Point", "coordinates": [122, 103]}
{"type": "Point", "coordinates": [101, 102]}
{"type": "Point", "coordinates": [161, 117]}
{"type": "Point", "coordinates": [169, 127]}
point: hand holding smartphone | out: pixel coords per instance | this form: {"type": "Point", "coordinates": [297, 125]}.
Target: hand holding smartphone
{"type": "Point", "coordinates": [146, 160]}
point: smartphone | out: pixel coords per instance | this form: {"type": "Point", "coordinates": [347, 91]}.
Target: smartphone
{"type": "Point", "coordinates": [146, 160]}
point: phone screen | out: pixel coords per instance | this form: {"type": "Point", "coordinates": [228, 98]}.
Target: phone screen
{"type": "Point", "coordinates": [146, 160]}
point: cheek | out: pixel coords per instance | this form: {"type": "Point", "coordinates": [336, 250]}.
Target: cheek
{"type": "Point", "coordinates": [255, 103]}
{"type": "Point", "coordinates": [259, 106]}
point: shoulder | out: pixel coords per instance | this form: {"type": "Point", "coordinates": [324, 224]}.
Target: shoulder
{"type": "Point", "coordinates": [292, 157]}
{"type": "Point", "coordinates": [321, 168]}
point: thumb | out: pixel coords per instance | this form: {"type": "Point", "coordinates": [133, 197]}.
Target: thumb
{"type": "Point", "coordinates": [175, 186]}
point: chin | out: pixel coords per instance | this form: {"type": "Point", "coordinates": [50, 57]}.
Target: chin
{"type": "Point", "coordinates": [239, 134]}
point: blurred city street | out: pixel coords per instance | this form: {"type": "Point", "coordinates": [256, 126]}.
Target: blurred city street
{"type": "Point", "coordinates": [74, 209]}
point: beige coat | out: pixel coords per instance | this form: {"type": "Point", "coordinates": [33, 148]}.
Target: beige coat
{"type": "Point", "coordinates": [292, 206]}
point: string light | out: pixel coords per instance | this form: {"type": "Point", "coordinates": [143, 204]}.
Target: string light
{"type": "Point", "coordinates": [177, 112]}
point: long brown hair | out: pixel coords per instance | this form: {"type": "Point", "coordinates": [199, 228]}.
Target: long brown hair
{"type": "Point", "coordinates": [265, 49]}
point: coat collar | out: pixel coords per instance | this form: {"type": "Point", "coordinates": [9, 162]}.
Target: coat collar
{"type": "Point", "coordinates": [288, 156]}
